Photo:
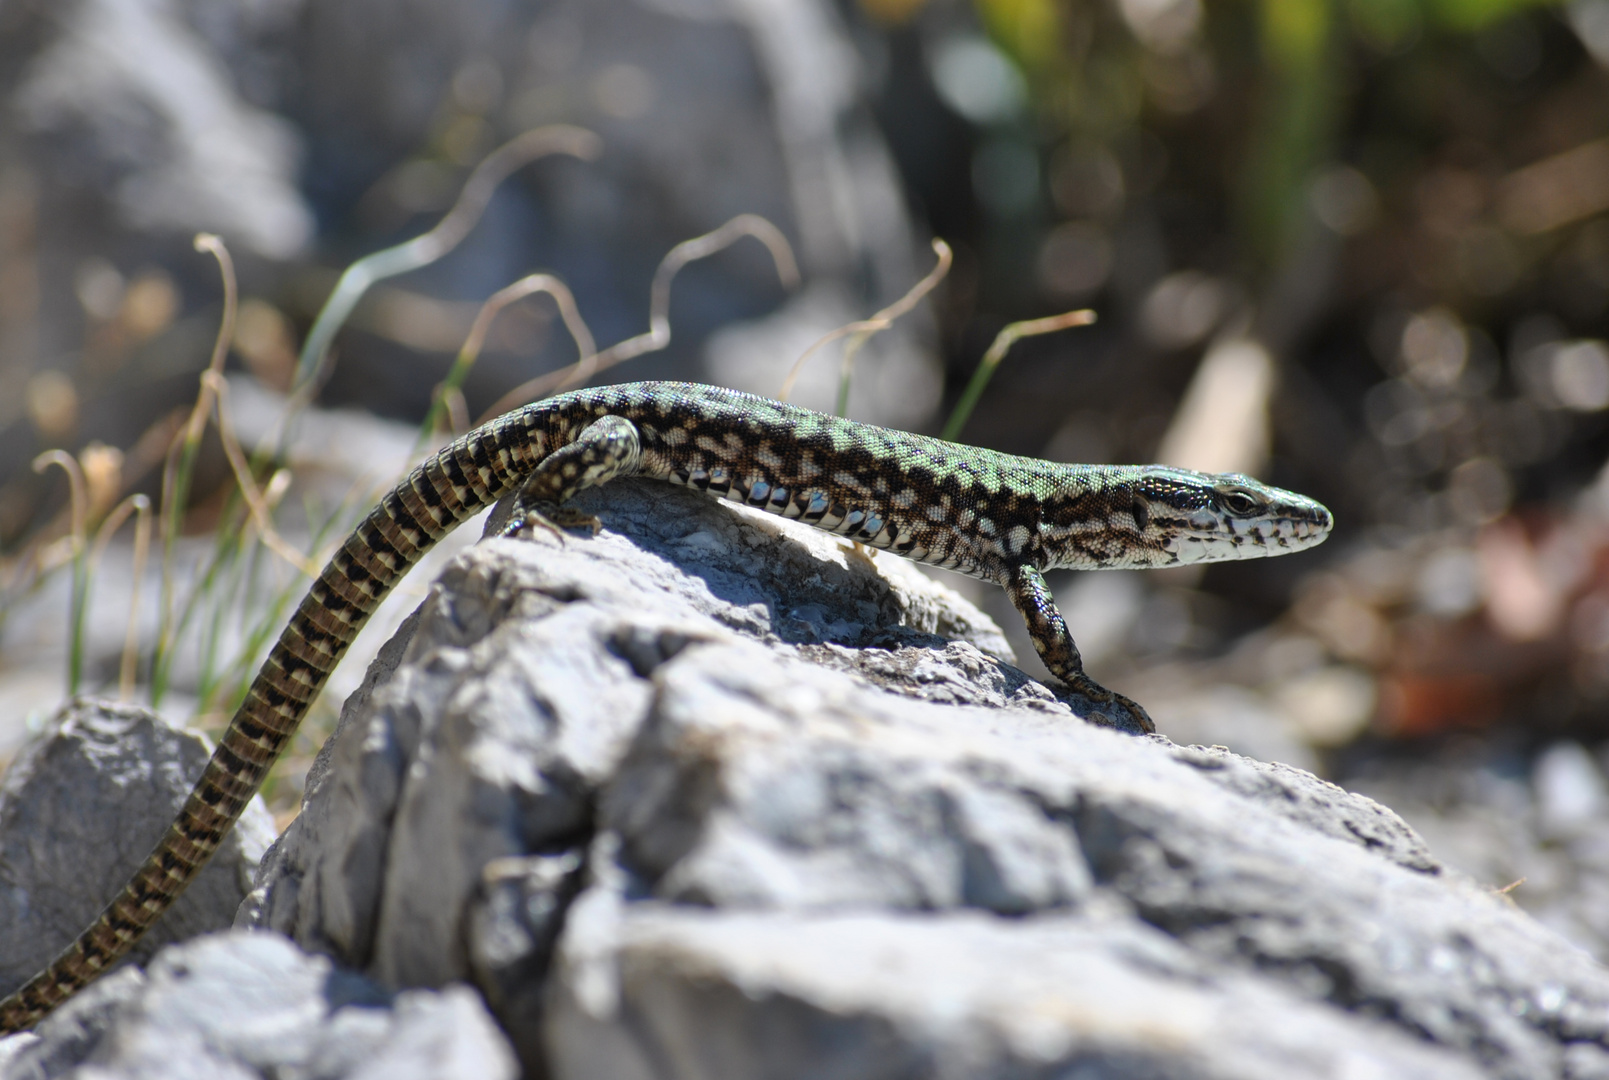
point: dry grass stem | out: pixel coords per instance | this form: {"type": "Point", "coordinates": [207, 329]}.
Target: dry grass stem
{"type": "Point", "coordinates": [78, 496]}
{"type": "Point", "coordinates": [261, 511]}
{"type": "Point", "coordinates": [580, 333]}
{"type": "Point", "coordinates": [452, 400]}
{"type": "Point", "coordinates": [879, 322]}
{"type": "Point", "coordinates": [313, 366]}
{"type": "Point", "coordinates": [78, 493]}
{"type": "Point", "coordinates": [658, 336]}
{"type": "Point", "coordinates": [179, 461]}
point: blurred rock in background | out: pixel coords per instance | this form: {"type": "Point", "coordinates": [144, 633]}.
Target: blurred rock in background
{"type": "Point", "coordinates": [307, 136]}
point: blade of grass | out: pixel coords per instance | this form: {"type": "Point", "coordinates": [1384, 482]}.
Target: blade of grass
{"type": "Point", "coordinates": [232, 691]}
{"type": "Point", "coordinates": [131, 637]}
{"type": "Point", "coordinates": [239, 599]}
{"type": "Point", "coordinates": [1003, 341]}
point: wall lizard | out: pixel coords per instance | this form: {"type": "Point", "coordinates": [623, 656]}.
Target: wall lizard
{"type": "Point", "coordinates": [995, 516]}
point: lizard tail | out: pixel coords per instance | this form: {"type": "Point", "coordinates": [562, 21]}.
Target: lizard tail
{"type": "Point", "coordinates": [447, 489]}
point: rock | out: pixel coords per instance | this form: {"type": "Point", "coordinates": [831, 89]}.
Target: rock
{"type": "Point", "coordinates": [691, 993]}
{"type": "Point", "coordinates": [250, 1004]}
{"type": "Point", "coordinates": [81, 808]}
{"type": "Point", "coordinates": [1531, 822]}
{"type": "Point", "coordinates": [136, 104]}
{"type": "Point", "coordinates": [66, 1037]}
{"type": "Point", "coordinates": [810, 806]}
{"type": "Point", "coordinates": [706, 794]}
{"type": "Point", "coordinates": [525, 678]}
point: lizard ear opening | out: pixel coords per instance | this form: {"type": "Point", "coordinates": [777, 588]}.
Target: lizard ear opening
{"type": "Point", "coordinates": [1141, 511]}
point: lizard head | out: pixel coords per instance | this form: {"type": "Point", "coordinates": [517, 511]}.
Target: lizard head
{"type": "Point", "coordinates": [1154, 516]}
{"type": "Point", "coordinates": [1191, 517]}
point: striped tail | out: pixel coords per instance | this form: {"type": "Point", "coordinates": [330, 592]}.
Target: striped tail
{"type": "Point", "coordinates": [447, 489]}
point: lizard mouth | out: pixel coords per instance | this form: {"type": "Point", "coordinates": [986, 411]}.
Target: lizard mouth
{"type": "Point", "coordinates": [1215, 539]}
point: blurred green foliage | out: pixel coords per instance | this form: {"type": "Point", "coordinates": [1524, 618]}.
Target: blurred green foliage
{"type": "Point", "coordinates": [1088, 75]}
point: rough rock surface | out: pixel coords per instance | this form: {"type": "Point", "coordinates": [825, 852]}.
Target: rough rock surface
{"type": "Point", "coordinates": [532, 665]}
{"type": "Point", "coordinates": [1537, 824]}
{"type": "Point", "coordinates": [708, 795]}
{"type": "Point", "coordinates": [714, 801]}
{"type": "Point", "coordinates": [246, 1004]}
{"type": "Point", "coordinates": [102, 784]}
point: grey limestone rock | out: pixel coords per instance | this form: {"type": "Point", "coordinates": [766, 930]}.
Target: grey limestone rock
{"type": "Point", "coordinates": [81, 808]}
{"type": "Point", "coordinates": [250, 1005]}
{"type": "Point", "coordinates": [523, 682]}
{"type": "Point", "coordinates": [821, 824]}
{"type": "Point", "coordinates": [690, 993]}
{"type": "Point", "coordinates": [711, 795]}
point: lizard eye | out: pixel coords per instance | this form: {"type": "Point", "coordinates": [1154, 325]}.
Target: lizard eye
{"type": "Point", "coordinates": [1239, 503]}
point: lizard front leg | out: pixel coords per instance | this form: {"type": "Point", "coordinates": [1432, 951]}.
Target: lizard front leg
{"type": "Point", "coordinates": [1029, 594]}
{"type": "Point", "coordinates": [605, 449]}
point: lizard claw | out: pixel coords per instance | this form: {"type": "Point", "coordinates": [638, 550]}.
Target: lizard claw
{"type": "Point", "coordinates": [1111, 709]}
{"type": "Point", "coordinates": [555, 519]}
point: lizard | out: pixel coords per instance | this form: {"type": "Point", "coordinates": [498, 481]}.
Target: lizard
{"type": "Point", "coordinates": [995, 516]}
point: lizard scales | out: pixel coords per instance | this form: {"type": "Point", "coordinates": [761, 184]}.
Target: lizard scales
{"type": "Point", "coordinates": [995, 516]}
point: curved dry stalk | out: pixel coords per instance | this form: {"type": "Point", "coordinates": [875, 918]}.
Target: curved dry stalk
{"type": "Point", "coordinates": [274, 491]}
{"type": "Point", "coordinates": [313, 366]}
{"type": "Point", "coordinates": [77, 491]}
{"type": "Point", "coordinates": [141, 506]}
{"type": "Point", "coordinates": [1003, 341]}
{"type": "Point", "coordinates": [113, 522]}
{"type": "Point", "coordinates": [178, 464]}
{"type": "Point", "coordinates": [470, 352]}
{"type": "Point", "coordinates": [865, 328]}
{"type": "Point", "coordinates": [196, 425]}
{"type": "Point", "coordinates": [78, 495]}
{"type": "Point", "coordinates": [261, 511]}
{"type": "Point", "coordinates": [658, 336]}
{"type": "Point", "coordinates": [702, 247]}
{"type": "Point", "coordinates": [214, 246]}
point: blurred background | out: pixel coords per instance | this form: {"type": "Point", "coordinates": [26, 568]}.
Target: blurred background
{"type": "Point", "coordinates": [1359, 248]}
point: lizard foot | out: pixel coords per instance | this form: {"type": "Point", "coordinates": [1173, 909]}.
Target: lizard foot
{"type": "Point", "coordinates": [1109, 708]}
{"type": "Point", "coordinates": [556, 519]}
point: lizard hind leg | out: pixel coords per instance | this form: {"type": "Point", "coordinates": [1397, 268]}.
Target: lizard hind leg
{"type": "Point", "coordinates": [605, 449]}
{"type": "Point", "coordinates": [1031, 597]}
